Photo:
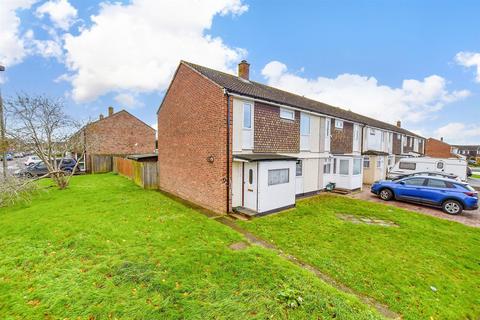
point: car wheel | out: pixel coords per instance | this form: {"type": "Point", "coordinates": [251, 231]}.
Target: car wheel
{"type": "Point", "coordinates": [452, 207]}
{"type": "Point", "coordinates": [29, 175]}
{"type": "Point", "coordinates": [386, 194]}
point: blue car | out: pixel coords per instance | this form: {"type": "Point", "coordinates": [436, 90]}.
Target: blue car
{"type": "Point", "coordinates": [451, 195]}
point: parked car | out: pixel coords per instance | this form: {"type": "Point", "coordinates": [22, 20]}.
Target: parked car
{"type": "Point", "coordinates": [451, 195]}
{"type": "Point", "coordinates": [32, 160]}
{"type": "Point", "coordinates": [18, 155]}
{"type": "Point", "coordinates": [9, 157]}
{"type": "Point", "coordinates": [40, 169]}
{"type": "Point", "coordinates": [430, 174]}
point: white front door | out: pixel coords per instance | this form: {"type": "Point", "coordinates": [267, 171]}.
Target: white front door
{"type": "Point", "coordinates": [250, 185]}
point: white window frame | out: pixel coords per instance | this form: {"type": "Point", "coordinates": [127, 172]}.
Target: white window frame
{"type": "Point", "coordinates": [338, 124]}
{"type": "Point", "coordinates": [380, 162]}
{"type": "Point", "coordinates": [366, 160]}
{"type": "Point", "coordinates": [361, 165]}
{"type": "Point", "coordinates": [249, 145]}
{"type": "Point", "coordinates": [282, 172]}
{"type": "Point", "coordinates": [340, 167]}
{"type": "Point", "coordinates": [287, 114]}
{"type": "Point", "coordinates": [305, 136]}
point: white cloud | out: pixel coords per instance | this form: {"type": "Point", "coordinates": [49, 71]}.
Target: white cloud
{"type": "Point", "coordinates": [469, 59]}
{"type": "Point", "coordinates": [414, 101]}
{"type": "Point", "coordinates": [136, 47]}
{"type": "Point", "coordinates": [128, 100]}
{"type": "Point", "coordinates": [459, 133]}
{"type": "Point", "coordinates": [13, 47]}
{"type": "Point", "coordinates": [61, 13]}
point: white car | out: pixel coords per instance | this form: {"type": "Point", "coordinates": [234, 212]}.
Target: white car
{"type": "Point", "coordinates": [32, 160]}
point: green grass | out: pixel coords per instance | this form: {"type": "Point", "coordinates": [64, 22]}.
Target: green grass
{"type": "Point", "coordinates": [395, 265]}
{"type": "Point", "coordinates": [106, 249]}
{"type": "Point", "coordinates": [476, 176]}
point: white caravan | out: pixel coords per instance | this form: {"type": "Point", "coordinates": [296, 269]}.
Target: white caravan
{"type": "Point", "coordinates": [452, 166]}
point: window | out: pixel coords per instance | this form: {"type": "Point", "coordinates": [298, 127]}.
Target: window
{"type": "Point", "coordinates": [299, 168]}
{"type": "Point", "coordinates": [335, 166]}
{"type": "Point", "coordinates": [287, 114]}
{"type": "Point", "coordinates": [366, 162]}
{"type": "Point", "coordinates": [250, 176]}
{"type": "Point", "coordinates": [344, 167]}
{"type": "Point", "coordinates": [414, 181]}
{"type": "Point", "coordinates": [440, 165]}
{"type": "Point", "coordinates": [357, 166]}
{"type": "Point", "coordinates": [339, 124]}
{"type": "Point", "coordinates": [305, 124]}
{"type": "Point", "coordinates": [399, 137]}
{"type": "Point", "coordinates": [379, 162]}
{"type": "Point", "coordinates": [407, 165]}
{"type": "Point", "coordinates": [436, 183]}
{"type": "Point", "coordinates": [328, 124]}
{"type": "Point", "coordinates": [304, 131]}
{"type": "Point", "coordinates": [247, 116]}
{"type": "Point", "coordinates": [411, 142]}
{"type": "Point", "coordinates": [278, 176]}
{"type": "Point", "coordinates": [372, 131]}
{"type": "Point", "coordinates": [327, 167]}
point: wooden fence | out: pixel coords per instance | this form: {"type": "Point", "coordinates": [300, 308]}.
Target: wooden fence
{"type": "Point", "coordinates": [144, 174]}
{"type": "Point", "coordinates": [100, 164]}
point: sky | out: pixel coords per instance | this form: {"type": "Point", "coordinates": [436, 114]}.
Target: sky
{"type": "Point", "coordinates": [413, 61]}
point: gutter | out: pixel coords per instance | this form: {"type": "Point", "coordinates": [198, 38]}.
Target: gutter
{"type": "Point", "coordinates": [225, 92]}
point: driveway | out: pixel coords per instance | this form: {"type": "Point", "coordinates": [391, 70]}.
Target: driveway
{"type": "Point", "coordinates": [469, 218]}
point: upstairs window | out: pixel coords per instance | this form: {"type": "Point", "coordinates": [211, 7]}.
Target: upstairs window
{"type": "Point", "coordinates": [287, 114]}
{"type": "Point", "coordinates": [305, 124]}
{"type": "Point", "coordinates": [247, 116]}
{"type": "Point", "coordinates": [338, 124]}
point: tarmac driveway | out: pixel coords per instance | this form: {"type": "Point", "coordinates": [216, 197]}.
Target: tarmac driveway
{"type": "Point", "coordinates": [469, 218]}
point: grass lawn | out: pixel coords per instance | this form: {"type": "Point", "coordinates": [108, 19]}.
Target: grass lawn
{"type": "Point", "coordinates": [426, 268]}
{"type": "Point", "coordinates": [106, 249]}
{"type": "Point", "coordinates": [476, 176]}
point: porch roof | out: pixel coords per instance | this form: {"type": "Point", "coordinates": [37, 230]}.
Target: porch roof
{"type": "Point", "coordinates": [263, 157]}
{"type": "Point", "coordinates": [374, 153]}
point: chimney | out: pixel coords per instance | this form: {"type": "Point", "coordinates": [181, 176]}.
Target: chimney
{"type": "Point", "coordinates": [399, 123]}
{"type": "Point", "coordinates": [110, 111]}
{"type": "Point", "coordinates": [244, 70]}
{"type": "Point", "coordinates": [100, 117]}
{"type": "Point", "coordinates": [441, 139]}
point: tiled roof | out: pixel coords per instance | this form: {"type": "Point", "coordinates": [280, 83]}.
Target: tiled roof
{"type": "Point", "coordinates": [468, 147]}
{"type": "Point", "coordinates": [257, 90]}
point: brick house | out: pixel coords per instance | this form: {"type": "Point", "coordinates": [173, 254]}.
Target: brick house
{"type": "Point", "coordinates": [468, 151]}
{"type": "Point", "coordinates": [438, 149]}
{"type": "Point", "coordinates": [228, 142]}
{"type": "Point", "coordinates": [119, 133]}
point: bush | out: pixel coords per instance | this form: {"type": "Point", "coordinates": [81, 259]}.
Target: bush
{"type": "Point", "coordinates": [13, 190]}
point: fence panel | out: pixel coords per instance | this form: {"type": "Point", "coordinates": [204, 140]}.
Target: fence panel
{"type": "Point", "coordinates": [144, 174]}
{"type": "Point", "coordinates": [101, 164]}
{"type": "Point", "coordinates": [150, 175]}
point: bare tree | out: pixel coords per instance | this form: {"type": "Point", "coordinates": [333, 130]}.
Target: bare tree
{"type": "Point", "coordinates": [39, 123]}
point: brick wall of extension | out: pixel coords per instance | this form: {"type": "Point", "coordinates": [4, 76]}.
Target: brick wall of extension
{"type": "Point", "coordinates": [192, 122]}
{"type": "Point", "coordinates": [274, 134]}
{"type": "Point", "coordinates": [119, 134]}
{"type": "Point", "coordinates": [437, 149]}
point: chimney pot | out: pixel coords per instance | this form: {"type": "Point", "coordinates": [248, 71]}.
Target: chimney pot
{"type": "Point", "coordinates": [441, 139]}
{"type": "Point", "coordinates": [399, 123]}
{"type": "Point", "coordinates": [100, 117]}
{"type": "Point", "coordinates": [244, 70]}
{"type": "Point", "coordinates": [110, 111]}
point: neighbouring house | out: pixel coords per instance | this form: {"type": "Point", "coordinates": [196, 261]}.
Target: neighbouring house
{"type": "Point", "coordinates": [439, 149]}
{"type": "Point", "coordinates": [226, 142]}
{"type": "Point", "coordinates": [120, 133]}
{"type": "Point", "coordinates": [468, 151]}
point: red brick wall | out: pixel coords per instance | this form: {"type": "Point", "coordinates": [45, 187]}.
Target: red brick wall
{"type": "Point", "coordinates": [192, 124]}
{"type": "Point", "coordinates": [437, 149]}
{"type": "Point", "coordinates": [274, 134]}
{"type": "Point", "coordinates": [120, 134]}
{"type": "Point", "coordinates": [342, 139]}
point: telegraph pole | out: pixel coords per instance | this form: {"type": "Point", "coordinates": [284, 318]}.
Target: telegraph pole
{"type": "Point", "coordinates": [2, 134]}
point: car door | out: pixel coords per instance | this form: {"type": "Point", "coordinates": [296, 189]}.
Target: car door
{"type": "Point", "coordinates": [40, 169]}
{"type": "Point", "coordinates": [411, 189]}
{"type": "Point", "coordinates": [435, 190]}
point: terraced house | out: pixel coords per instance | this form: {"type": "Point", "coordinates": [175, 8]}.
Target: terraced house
{"type": "Point", "coordinates": [228, 142]}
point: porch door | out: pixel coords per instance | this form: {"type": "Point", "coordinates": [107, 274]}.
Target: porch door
{"type": "Point", "coordinates": [299, 177]}
{"type": "Point", "coordinates": [250, 185]}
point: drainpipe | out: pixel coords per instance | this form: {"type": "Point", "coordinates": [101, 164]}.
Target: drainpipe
{"type": "Point", "coordinates": [225, 92]}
